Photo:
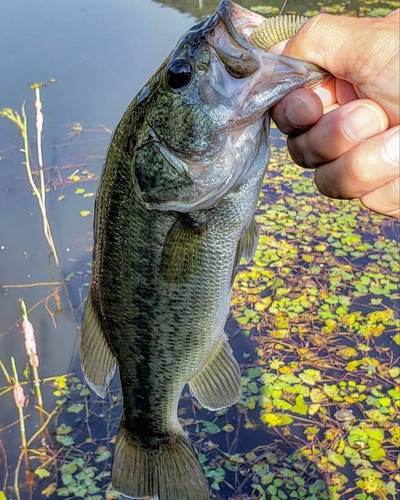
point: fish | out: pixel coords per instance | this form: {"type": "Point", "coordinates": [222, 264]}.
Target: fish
{"type": "Point", "coordinates": [174, 216]}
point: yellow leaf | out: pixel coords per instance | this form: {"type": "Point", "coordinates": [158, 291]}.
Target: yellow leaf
{"type": "Point", "coordinates": [51, 488]}
{"type": "Point", "coordinates": [313, 409]}
{"type": "Point", "coordinates": [85, 213]}
{"type": "Point", "coordinates": [353, 365]}
{"type": "Point", "coordinates": [273, 419]}
{"type": "Point", "coordinates": [79, 191]}
{"type": "Point", "coordinates": [396, 338]}
{"type": "Point", "coordinates": [2, 495]}
{"type": "Point", "coordinates": [61, 197]}
{"type": "Point", "coordinates": [347, 352]}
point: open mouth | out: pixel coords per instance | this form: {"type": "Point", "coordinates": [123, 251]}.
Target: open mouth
{"type": "Point", "coordinates": [250, 36]}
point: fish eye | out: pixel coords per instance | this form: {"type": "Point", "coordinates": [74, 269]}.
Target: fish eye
{"type": "Point", "coordinates": [179, 74]}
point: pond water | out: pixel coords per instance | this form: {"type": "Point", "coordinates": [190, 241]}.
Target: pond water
{"type": "Point", "coordinates": [315, 316]}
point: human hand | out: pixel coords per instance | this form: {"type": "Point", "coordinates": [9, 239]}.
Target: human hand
{"type": "Point", "coordinates": [348, 129]}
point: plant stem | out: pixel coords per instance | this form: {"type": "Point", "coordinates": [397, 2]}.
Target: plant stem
{"type": "Point", "coordinates": [36, 381]}
{"type": "Point", "coordinates": [19, 403]}
{"type": "Point", "coordinates": [31, 440]}
{"type": "Point", "coordinates": [4, 370]}
{"type": "Point", "coordinates": [41, 201]}
{"type": "Point", "coordinates": [39, 128]}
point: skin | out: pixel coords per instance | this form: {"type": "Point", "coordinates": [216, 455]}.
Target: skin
{"type": "Point", "coordinates": [348, 129]}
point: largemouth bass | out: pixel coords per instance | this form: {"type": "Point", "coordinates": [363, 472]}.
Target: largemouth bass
{"type": "Point", "coordinates": [174, 217]}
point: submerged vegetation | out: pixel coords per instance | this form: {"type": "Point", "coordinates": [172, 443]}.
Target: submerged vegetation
{"type": "Point", "coordinates": [315, 318]}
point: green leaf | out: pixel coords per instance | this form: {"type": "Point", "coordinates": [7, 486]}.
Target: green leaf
{"type": "Point", "coordinates": [211, 428]}
{"type": "Point", "coordinates": [336, 458]}
{"type": "Point", "coordinates": [254, 372]}
{"type": "Point", "coordinates": [376, 434]}
{"type": "Point", "coordinates": [69, 468]}
{"type": "Point", "coordinates": [64, 429]}
{"type": "Point", "coordinates": [41, 473]}
{"type": "Point", "coordinates": [267, 478]}
{"type": "Point", "coordinates": [310, 376]}
{"type": "Point", "coordinates": [102, 455]}
{"type": "Point", "coordinates": [63, 492]}
{"type": "Point", "coordinates": [375, 455]}
{"type": "Point", "coordinates": [66, 440]}
{"type": "Point", "coordinates": [76, 408]}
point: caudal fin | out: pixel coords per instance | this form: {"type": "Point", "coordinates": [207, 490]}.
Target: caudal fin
{"type": "Point", "coordinates": [168, 471]}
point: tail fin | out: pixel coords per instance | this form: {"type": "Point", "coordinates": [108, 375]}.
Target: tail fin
{"type": "Point", "coordinates": [168, 471]}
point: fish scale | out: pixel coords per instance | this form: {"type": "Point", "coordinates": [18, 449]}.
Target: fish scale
{"type": "Point", "coordinates": [174, 216]}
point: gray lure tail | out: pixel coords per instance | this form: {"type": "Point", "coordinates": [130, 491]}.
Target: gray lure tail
{"type": "Point", "coordinates": [275, 30]}
{"type": "Point", "coordinates": [169, 470]}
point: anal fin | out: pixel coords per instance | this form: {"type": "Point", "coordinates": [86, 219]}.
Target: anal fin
{"type": "Point", "coordinates": [218, 384]}
{"type": "Point", "coordinates": [97, 361]}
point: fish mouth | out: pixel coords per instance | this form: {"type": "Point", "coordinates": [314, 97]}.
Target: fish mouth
{"type": "Point", "coordinates": [241, 82]}
{"type": "Point", "coordinates": [230, 39]}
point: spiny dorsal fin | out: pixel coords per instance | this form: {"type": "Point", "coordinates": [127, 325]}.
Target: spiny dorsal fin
{"type": "Point", "coordinates": [183, 250]}
{"type": "Point", "coordinates": [247, 246]}
{"type": "Point", "coordinates": [168, 470]}
{"type": "Point", "coordinates": [218, 384]}
{"type": "Point", "coordinates": [97, 360]}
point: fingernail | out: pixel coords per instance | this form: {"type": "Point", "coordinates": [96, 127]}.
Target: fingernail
{"type": "Point", "coordinates": [298, 114]}
{"type": "Point", "coordinates": [362, 123]}
{"type": "Point", "coordinates": [393, 146]}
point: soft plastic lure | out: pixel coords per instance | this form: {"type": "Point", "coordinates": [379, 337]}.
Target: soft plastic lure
{"type": "Point", "coordinates": [276, 29]}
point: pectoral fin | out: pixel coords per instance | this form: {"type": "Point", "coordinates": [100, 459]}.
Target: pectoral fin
{"type": "Point", "coordinates": [97, 360]}
{"type": "Point", "coordinates": [183, 250]}
{"type": "Point", "coordinates": [247, 246]}
{"type": "Point", "coordinates": [218, 384]}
